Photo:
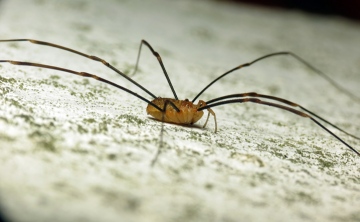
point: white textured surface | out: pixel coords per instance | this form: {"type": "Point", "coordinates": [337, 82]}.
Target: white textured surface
{"type": "Point", "coordinates": [79, 150]}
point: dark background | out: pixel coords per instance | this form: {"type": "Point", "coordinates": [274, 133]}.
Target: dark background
{"type": "Point", "coordinates": [344, 8]}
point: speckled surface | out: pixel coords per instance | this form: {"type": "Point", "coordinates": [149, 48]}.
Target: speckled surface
{"type": "Point", "coordinates": [74, 149]}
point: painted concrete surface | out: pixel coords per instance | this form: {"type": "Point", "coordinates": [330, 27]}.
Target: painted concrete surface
{"type": "Point", "coordinates": [75, 149]}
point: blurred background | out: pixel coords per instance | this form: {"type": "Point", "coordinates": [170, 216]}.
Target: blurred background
{"type": "Point", "coordinates": [345, 8]}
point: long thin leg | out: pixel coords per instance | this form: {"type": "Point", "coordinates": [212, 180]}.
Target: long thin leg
{"type": "Point", "coordinates": [317, 71]}
{"type": "Point", "coordinates": [297, 112]}
{"type": "Point", "coordinates": [210, 111]}
{"type": "Point", "coordinates": [158, 57]}
{"type": "Point", "coordinates": [253, 94]}
{"type": "Point", "coordinates": [95, 58]}
{"type": "Point", "coordinates": [83, 74]}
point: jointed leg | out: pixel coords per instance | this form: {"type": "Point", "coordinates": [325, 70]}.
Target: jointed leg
{"type": "Point", "coordinates": [299, 113]}
{"type": "Point", "coordinates": [158, 57]}
{"type": "Point", "coordinates": [210, 111]}
{"type": "Point", "coordinates": [95, 58]}
{"type": "Point", "coordinates": [253, 94]}
{"type": "Point", "coordinates": [298, 58]}
{"type": "Point", "coordinates": [83, 74]}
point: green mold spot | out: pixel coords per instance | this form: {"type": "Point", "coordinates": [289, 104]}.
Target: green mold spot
{"type": "Point", "coordinates": [4, 119]}
{"type": "Point", "coordinates": [14, 45]}
{"type": "Point", "coordinates": [43, 140]}
{"type": "Point", "coordinates": [111, 156]}
{"type": "Point", "coordinates": [17, 104]}
{"type": "Point", "coordinates": [280, 124]}
{"type": "Point", "coordinates": [103, 127]}
{"type": "Point", "coordinates": [130, 119]}
{"type": "Point", "coordinates": [4, 137]}
{"type": "Point", "coordinates": [273, 89]}
{"type": "Point", "coordinates": [196, 136]}
{"type": "Point", "coordinates": [21, 86]}
{"type": "Point", "coordinates": [27, 118]}
{"type": "Point", "coordinates": [5, 90]}
{"type": "Point", "coordinates": [279, 154]}
{"type": "Point", "coordinates": [54, 77]}
{"type": "Point", "coordinates": [49, 82]}
{"type": "Point", "coordinates": [209, 186]}
{"type": "Point", "coordinates": [264, 177]}
{"type": "Point", "coordinates": [81, 129]}
{"type": "Point", "coordinates": [325, 164]}
{"type": "Point", "coordinates": [83, 82]}
{"type": "Point", "coordinates": [301, 197]}
{"type": "Point", "coordinates": [7, 80]}
{"type": "Point", "coordinates": [89, 120]}
{"type": "Point", "coordinates": [220, 144]}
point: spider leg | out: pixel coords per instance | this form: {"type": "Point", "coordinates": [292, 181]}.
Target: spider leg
{"type": "Point", "coordinates": [210, 111]}
{"type": "Point", "coordinates": [297, 112]}
{"type": "Point", "coordinates": [158, 57]}
{"type": "Point", "coordinates": [95, 58]}
{"type": "Point", "coordinates": [83, 74]}
{"type": "Point", "coordinates": [253, 94]}
{"type": "Point", "coordinates": [298, 58]}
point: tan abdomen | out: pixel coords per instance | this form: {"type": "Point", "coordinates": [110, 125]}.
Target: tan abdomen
{"type": "Point", "coordinates": [188, 111]}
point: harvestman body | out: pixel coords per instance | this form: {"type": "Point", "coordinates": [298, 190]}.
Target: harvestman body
{"type": "Point", "coordinates": [185, 112]}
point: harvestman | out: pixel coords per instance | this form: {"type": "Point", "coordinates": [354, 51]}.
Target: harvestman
{"type": "Point", "coordinates": [184, 111]}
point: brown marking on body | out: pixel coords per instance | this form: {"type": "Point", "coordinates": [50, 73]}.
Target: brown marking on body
{"type": "Point", "coordinates": [186, 115]}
